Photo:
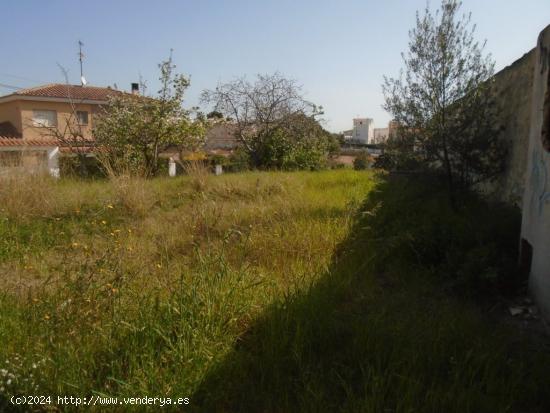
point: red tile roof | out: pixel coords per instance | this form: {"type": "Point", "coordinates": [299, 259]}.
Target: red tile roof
{"type": "Point", "coordinates": [6, 141]}
{"type": "Point", "coordinates": [63, 91]}
{"type": "Point", "coordinates": [79, 149]}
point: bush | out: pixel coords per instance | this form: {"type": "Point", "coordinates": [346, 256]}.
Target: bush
{"type": "Point", "coordinates": [214, 160]}
{"type": "Point", "coordinates": [81, 167]}
{"type": "Point", "coordinates": [305, 158]}
{"type": "Point", "coordinates": [239, 161]}
{"type": "Point", "coordinates": [392, 160]}
{"type": "Point", "coordinates": [285, 151]}
{"type": "Point", "coordinates": [337, 166]}
{"type": "Point", "coordinates": [468, 248]}
{"type": "Point", "coordinates": [363, 161]}
{"type": "Point", "coordinates": [162, 169]}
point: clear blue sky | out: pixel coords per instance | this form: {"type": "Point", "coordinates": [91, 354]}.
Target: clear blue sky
{"type": "Point", "coordinates": [338, 50]}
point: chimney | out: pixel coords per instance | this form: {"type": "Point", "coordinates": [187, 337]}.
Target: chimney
{"type": "Point", "coordinates": [135, 88]}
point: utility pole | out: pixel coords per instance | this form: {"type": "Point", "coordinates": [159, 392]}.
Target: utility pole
{"type": "Point", "coordinates": [80, 57]}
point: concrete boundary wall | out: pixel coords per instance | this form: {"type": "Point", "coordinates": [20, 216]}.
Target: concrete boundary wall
{"type": "Point", "coordinates": [513, 92]}
{"type": "Point", "coordinates": [535, 231]}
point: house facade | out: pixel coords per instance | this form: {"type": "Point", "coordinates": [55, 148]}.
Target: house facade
{"type": "Point", "coordinates": [37, 125]}
{"type": "Point", "coordinates": [31, 121]}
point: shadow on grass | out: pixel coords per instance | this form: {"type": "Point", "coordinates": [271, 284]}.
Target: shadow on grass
{"type": "Point", "coordinates": [385, 330]}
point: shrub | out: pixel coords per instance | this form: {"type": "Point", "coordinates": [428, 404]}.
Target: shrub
{"type": "Point", "coordinates": [467, 248]}
{"type": "Point", "coordinates": [81, 167]}
{"type": "Point", "coordinates": [362, 161]}
{"type": "Point", "coordinates": [214, 160]}
{"type": "Point", "coordinates": [393, 160]}
{"type": "Point", "coordinates": [239, 161]}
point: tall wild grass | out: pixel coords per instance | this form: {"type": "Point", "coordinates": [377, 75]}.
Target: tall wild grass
{"type": "Point", "coordinates": [268, 292]}
{"type": "Point", "coordinates": [135, 287]}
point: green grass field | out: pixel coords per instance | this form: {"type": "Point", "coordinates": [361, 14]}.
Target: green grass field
{"type": "Point", "coordinates": [265, 292]}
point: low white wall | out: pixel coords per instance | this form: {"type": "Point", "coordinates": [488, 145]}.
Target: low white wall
{"type": "Point", "coordinates": [53, 162]}
{"type": "Point", "coordinates": [50, 163]}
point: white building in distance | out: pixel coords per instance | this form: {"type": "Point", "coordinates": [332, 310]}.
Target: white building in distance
{"type": "Point", "coordinates": [363, 130]}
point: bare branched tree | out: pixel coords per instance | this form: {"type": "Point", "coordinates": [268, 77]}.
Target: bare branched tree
{"type": "Point", "coordinates": [257, 108]}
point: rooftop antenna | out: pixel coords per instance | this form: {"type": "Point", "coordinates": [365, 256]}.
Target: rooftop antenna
{"type": "Point", "coordinates": [83, 81]}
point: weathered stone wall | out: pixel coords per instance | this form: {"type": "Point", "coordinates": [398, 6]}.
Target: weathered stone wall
{"type": "Point", "coordinates": [514, 90]}
{"type": "Point", "coordinates": [535, 228]}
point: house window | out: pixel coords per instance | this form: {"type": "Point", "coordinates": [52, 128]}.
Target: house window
{"type": "Point", "coordinates": [82, 117]}
{"type": "Point", "coordinates": [44, 118]}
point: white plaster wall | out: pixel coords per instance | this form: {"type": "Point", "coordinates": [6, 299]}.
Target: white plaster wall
{"type": "Point", "coordinates": [53, 162]}
{"type": "Point", "coordinates": [536, 200]}
{"type": "Point", "coordinates": [171, 167]}
{"type": "Point", "coordinates": [50, 163]}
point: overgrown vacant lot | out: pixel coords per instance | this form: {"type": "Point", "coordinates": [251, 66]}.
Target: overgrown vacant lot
{"type": "Point", "coordinates": [266, 292]}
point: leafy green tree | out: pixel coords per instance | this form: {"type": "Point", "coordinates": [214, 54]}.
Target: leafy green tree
{"type": "Point", "coordinates": [444, 103]}
{"type": "Point", "coordinates": [132, 131]}
{"type": "Point", "coordinates": [298, 143]}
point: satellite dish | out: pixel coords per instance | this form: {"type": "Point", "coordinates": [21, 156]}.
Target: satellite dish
{"type": "Point", "coordinates": [83, 81]}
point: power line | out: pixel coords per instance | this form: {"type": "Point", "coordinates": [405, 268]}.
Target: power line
{"type": "Point", "coordinates": [10, 86]}
{"type": "Point", "coordinates": [22, 78]}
